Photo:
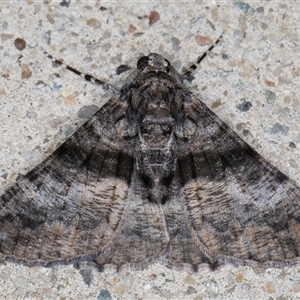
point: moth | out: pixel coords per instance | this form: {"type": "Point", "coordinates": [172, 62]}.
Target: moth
{"type": "Point", "coordinates": [153, 176]}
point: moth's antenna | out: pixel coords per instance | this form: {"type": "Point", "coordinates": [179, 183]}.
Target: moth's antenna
{"type": "Point", "coordinates": [193, 67]}
{"type": "Point", "coordinates": [87, 77]}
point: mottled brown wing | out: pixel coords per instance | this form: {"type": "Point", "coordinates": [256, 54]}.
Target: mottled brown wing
{"type": "Point", "coordinates": [142, 237]}
{"type": "Point", "coordinates": [235, 206]}
{"type": "Point", "coordinates": [71, 207]}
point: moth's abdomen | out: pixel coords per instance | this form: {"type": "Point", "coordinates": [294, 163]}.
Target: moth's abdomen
{"type": "Point", "coordinates": [156, 169]}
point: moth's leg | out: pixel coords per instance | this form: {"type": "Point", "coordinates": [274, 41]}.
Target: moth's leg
{"type": "Point", "coordinates": [87, 77]}
{"type": "Point", "coordinates": [193, 67]}
{"type": "Point", "coordinates": [85, 264]}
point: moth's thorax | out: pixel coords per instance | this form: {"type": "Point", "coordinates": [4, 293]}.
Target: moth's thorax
{"type": "Point", "coordinates": [157, 127]}
{"type": "Point", "coordinates": [155, 107]}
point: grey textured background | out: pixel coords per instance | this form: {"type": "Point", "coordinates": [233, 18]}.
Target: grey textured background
{"type": "Point", "coordinates": [250, 80]}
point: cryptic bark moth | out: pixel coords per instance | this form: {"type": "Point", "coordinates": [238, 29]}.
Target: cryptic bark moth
{"type": "Point", "coordinates": [154, 175]}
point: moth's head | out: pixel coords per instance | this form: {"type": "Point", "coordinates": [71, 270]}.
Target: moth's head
{"type": "Point", "coordinates": [156, 63]}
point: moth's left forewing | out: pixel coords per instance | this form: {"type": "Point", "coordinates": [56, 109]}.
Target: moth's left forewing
{"type": "Point", "coordinates": [61, 210]}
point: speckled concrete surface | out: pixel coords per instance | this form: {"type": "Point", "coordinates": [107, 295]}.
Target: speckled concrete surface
{"type": "Point", "coordinates": [251, 80]}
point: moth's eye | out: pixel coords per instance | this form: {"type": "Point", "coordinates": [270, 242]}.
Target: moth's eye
{"type": "Point", "coordinates": [167, 64]}
{"type": "Point", "coordinates": [142, 62]}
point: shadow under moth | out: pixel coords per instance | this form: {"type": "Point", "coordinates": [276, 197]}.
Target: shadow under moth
{"type": "Point", "coordinates": [153, 176]}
